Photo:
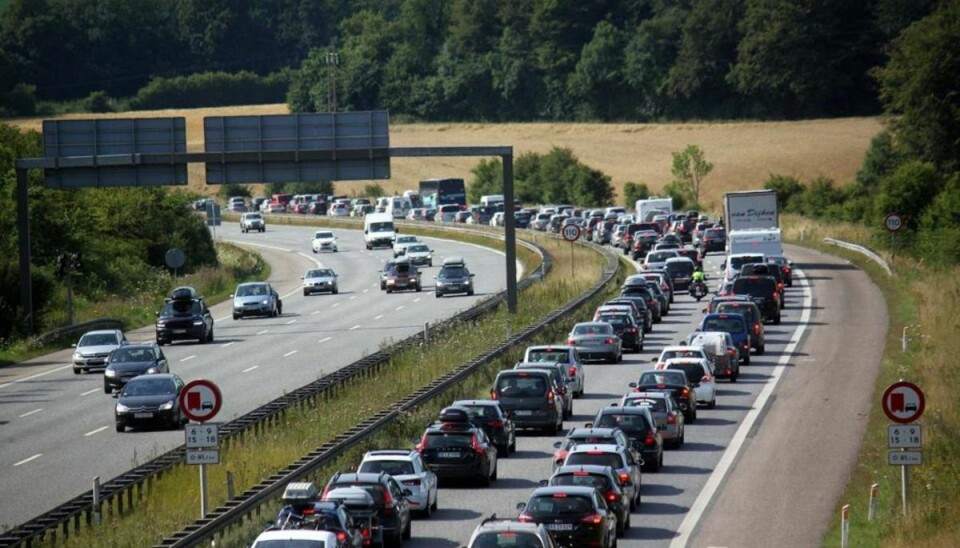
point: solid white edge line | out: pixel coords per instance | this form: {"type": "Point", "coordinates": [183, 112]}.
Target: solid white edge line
{"type": "Point", "coordinates": [36, 376]}
{"type": "Point", "coordinates": [692, 519]}
{"type": "Point", "coordinates": [92, 432]}
{"type": "Point", "coordinates": [354, 327]}
{"type": "Point", "coordinates": [291, 321]}
{"type": "Point", "coordinates": [28, 413]}
{"type": "Point", "coordinates": [262, 332]}
{"type": "Point", "coordinates": [28, 459]}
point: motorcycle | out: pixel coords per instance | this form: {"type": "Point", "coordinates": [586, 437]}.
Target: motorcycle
{"type": "Point", "coordinates": [699, 290]}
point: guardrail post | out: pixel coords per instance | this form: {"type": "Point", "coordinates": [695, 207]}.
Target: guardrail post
{"type": "Point", "coordinates": [426, 333]}
{"type": "Point", "coordinates": [904, 340]}
{"type": "Point", "coordinates": [845, 526]}
{"type": "Point", "coordinates": [96, 500]}
{"type": "Point", "coordinates": [872, 508]}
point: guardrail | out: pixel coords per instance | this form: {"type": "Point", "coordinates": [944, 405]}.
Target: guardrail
{"type": "Point", "coordinates": [237, 509]}
{"type": "Point", "coordinates": [120, 490]}
{"type": "Point", "coordinates": [864, 251]}
{"type": "Point", "coordinates": [55, 334]}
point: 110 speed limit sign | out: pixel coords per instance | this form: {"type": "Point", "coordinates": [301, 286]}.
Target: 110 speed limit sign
{"type": "Point", "coordinates": [893, 222]}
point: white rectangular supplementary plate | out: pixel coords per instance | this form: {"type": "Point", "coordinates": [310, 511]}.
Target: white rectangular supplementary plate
{"type": "Point", "coordinates": [202, 436]}
{"type": "Point", "coordinates": [904, 436]}
{"type": "Point", "coordinates": [206, 456]}
{"type": "Point", "coordinates": [905, 458]}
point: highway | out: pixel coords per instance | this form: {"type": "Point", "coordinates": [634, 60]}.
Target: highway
{"type": "Point", "coordinates": [766, 467]}
{"type": "Point", "coordinates": [57, 428]}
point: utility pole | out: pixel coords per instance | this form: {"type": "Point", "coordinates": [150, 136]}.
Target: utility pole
{"type": "Point", "coordinates": [333, 61]}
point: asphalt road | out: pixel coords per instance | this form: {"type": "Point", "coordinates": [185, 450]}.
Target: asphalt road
{"type": "Point", "coordinates": [762, 469]}
{"type": "Point", "coordinates": [57, 428]}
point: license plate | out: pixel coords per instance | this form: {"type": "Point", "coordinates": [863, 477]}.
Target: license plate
{"type": "Point", "coordinates": [143, 415]}
{"type": "Point", "coordinates": [453, 287]}
{"type": "Point", "coordinates": [449, 455]}
{"type": "Point", "coordinates": [524, 412]}
{"type": "Point", "coordinates": [560, 526]}
{"type": "Point", "coordinates": [179, 331]}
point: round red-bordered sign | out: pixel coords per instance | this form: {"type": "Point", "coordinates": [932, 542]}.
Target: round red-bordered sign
{"type": "Point", "coordinates": [893, 222]}
{"type": "Point", "coordinates": [571, 233]}
{"type": "Point", "coordinates": [200, 400]}
{"type": "Point", "coordinates": [903, 402]}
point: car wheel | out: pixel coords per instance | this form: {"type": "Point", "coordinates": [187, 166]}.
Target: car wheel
{"type": "Point", "coordinates": [418, 288]}
{"type": "Point", "coordinates": [436, 500]}
{"type": "Point", "coordinates": [503, 450]}
{"type": "Point", "coordinates": [776, 321]}
{"type": "Point", "coordinates": [407, 533]}
{"type": "Point", "coordinates": [513, 444]}
{"type": "Point", "coordinates": [746, 360]}
{"type": "Point", "coordinates": [485, 480]}
{"type": "Point", "coordinates": [655, 465]}
{"type": "Point", "coordinates": [210, 335]}
{"type": "Point", "coordinates": [712, 404]}
{"type": "Point", "coordinates": [77, 370]}
{"type": "Point", "coordinates": [438, 294]}
{"type": "Point", "coordinates": [733, 378]}
{"type": "Point", "coordinates": [106, 388]}
{"type": "Point", "coordinates": [496, 471]}
{"type": "Point", "coordinates": [761, 349]}
{"type": "Point", "coordinates": [314, 251]}
{"type": "Point", "coordinates": [306, 293]}
{"type": "Point", "coordinates": [336, 290]}
{"type": "Point", "coordinates": [236, 316]}
{"type": "Point", "coordinates": [120, 427]}
{"type": "Point", "coordinates": [161, 342]}
{"type": "Point", "coordinates": [389, 290]}
{"type": "Point", "coordinates": [683, 436]}
{"type": "Point", "coordinates": [470, 293]}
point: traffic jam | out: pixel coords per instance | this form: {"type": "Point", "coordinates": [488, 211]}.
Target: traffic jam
{"type": "Point", "coordinates": [595, 485]}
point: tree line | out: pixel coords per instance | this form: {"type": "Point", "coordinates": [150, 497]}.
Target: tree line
{"type": "Point", "coordinates": [476, 60]}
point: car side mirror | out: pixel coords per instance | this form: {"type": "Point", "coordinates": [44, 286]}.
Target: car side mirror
{"type": "Point", "coordinates": [157, 314]}
{"type": "Point", "coordinates": [632, 385]}
{"type": "Point", "coordinates": [543, 483]}
{"type": "Point", "coordinates": [557, 444]}
{"type": "Point", "coordinates": [588, 425]}
{"type": "Point", "coordinates": [115, 395]}
{"type": "Point", "coordinates": [231, 295]}
{"type": "Point", "coordinates": [521, 506]}
{"type": "Point", "coordinates": [407, 493]}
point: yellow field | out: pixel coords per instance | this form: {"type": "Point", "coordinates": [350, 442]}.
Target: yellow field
{"type": "Point", "coordinates": [744, 153]}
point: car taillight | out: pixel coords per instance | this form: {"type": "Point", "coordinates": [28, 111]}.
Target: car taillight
{"type": "Point", "coordinates": [608, 341]}
{"type": "Point", "coordinates": [571, 342]}
{"type": "Point", "coordinates": [387, 501]}
{"type": "Point", "coordinates": [573, 371]}
{"type": "Point", "coordinates": [786, 270]}
{"type": "Point", "coordinates": [422, 446]}
{"type": "Point", "coordinates": [525, 517]}
{"type": "Point", "coordinates": [706, 378]}
{"type": "Point", "coordinates": [775, 295]}
{"type": "Point", "coordinates": [341, 536]}
{"type": "Point", "coordinates": [730, 352]}
{"type": "Point", "coordinates": [650, 439]}
{"type": "Point", "coordinates": [365, 533]}
{"type": "Point", "coordinates": [595, 519]}
{"type": "Point", "coordinates": [650, 303]}
{"type": "Point", "coordinates": [624, 477]}
{"type": "Point", "coordinates": [729, 371]}
{"type": "Point", "coordinates": [685, 392]}
{"type": "Point", "coordinates": [550, 396]}
{"type": "Point", "coordinates": [415, 481]}
{"type": "Point", "coordinates": [671, 418]}
{"type": "Point", "coordinates": [496, 423]}
{"type": "Point", "coordinates": [632, 330]}
{"type": "Point", "coordinates": [756, 329]}
{"type": "Point", "coordinates": [612, 496]}
{"type": "Point", "coordinates": [475, 444]}
{"type": "Point", "coordinates": [664, 287]}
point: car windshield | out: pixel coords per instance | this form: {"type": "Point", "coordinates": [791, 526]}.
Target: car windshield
{"type": "Point", "coordinates": [560, 504]}
{"type": "Point", "coordinates": [97, 339]}
{"type": "Point", "coordinates": [628, 422]}
{"type": "Point", "coordinates": [548, 356]}
{"type": "Point", "coordinates": [481, 411]}
{"type": "Point", "coordinates": [129, 355]}
{"type": "Point", "coordinates": [582, 479]}
{"type": "Point", "coordinates": [290, 543]}
{"type": "Point", "coordinates": [252, 290]}
{"type": "Point", "coordinates": [738, 261]}
{"type": "Point", "coordinates": [715, 233]}
{"type": "Point", "coordinates": [660, 257]}
{"type": "Point", "coordinates": [402, 269]}
{"type": "Point", "coordinates": [453, 272]}
{"type": "Point", "coordinates": [593, 329]}
{"type": "Point", "coordinates": [406, 239]}
{"type": "Point", "coordinates": [735, 308]}
{"type": "Point", "coordinates": [730, 324]}
{"type": "Point", "coordinates": [657, 405]}
{"type": "Point", "coordinates": [418, 248]}
{"type": "Point", "coordinates": [594, 457]}
{"type": "Point", "coordinates": [516, 386]}
{"type": "Point", "coordinates": [507, 539]}
{"type": "Point", "coordinates": [323, 235]}
{"type": "Point", "coordinates": [443, 440]}
{"type": "Point", "coordinates": [392, 467]}
{"type": "Point", "coordinates": [381, 227]}
{"type": "Point", "coordinates": [253, 217]}
{"type": "Point", "coordinates": [618, 321]}
{"type": "Point", "coordinates": [181, 308]}
{"type": "Point", "coordinates": [149, 387]}
{"type": "Point", "coordinates": [670, 354]}
{"type": "Point", "coordinates": [659, 377]}
{"type": "Point", "coordinates": [320, 273]}
{"type": "Point", "coordinates": [680, 268]}
{"type": "Point", "coordinates": [693, 371]}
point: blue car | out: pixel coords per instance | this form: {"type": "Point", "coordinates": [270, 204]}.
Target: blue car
{"type": "Point", "coordinates": [736, 325]}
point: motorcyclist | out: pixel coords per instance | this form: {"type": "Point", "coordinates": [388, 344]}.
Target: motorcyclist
{"type": "Point", "coordinates": [698, 276]}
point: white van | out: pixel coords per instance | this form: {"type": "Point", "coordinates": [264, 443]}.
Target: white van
{"type": "Point", "coordinates": [767, 241]}
{"type": "Point", "coordinates": [492, 200]}
{"type": "Point", "coordinates": [398, 206]}
{"type": "Point", "coordinates": [378, 230]}
{"type": "Point", "coordinates": [447, 213]}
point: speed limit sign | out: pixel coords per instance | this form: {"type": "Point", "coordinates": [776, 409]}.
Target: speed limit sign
{"type": "Point", "coordinates": [571, 233]}
{"type": "Point", "coordinates": [893, 222]}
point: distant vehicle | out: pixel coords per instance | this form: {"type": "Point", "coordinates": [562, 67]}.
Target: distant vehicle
{"type": "Point", "coordinates": [184, 315]}
{"type": "Point", "coordinates": [456, 447]}
{"type": "Point", "coordinates": [408, 468]}
{"type": "Point", "coordinates": [295, 538]}
{"type": "Point", "coordinates": [378, 230]}
{"type": "Point", "coordinates": [256, 299]}
{"type": "Point", "coordinates": [596, 341]}
{"type": "Point", "coordinates": [93, 348]}
{"type": "Point", "coordinates": [320, 280]}
{"type": "Point", "coordinates": [494, 533]}
{"type": "Point", "coordinates": [438, 192]}
{"type": "Point", "coordinates": [400, 244]}
{"type": "Point", "coordinates": [132, 360]}
{"type": "Point", "coordinates": [454, 277]}
{"type": "Point", "coordinates": [531, 399]}
{"type": "Point", "coordinates": [252, 221]}
{"type": "Point", "coordinates": [575, 516]}
{"type": "Point", "coordinates": [150, 400]}
{"type": "Point", "coordinates": [324, 240]}
{"type": "Point", "coordinates": [403, 275]}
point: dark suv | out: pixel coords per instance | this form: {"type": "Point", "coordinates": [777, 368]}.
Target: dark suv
{"type": "Point", "coordinates": [184, 316]}
{"type": "Point", "coordinates": [494, 421]}
{"type": "Point", "coordinates": [457, 447]}
{"type": "Point", "coordinates": [389, 497]}
{"type": "Point", "coordinates": [604, 480]}
{"type": "Point", "coordinates": [763, 290]}
{"type": "Point", "coordinates": [713, 239]}
{"type": "Point", "coordinates": [751, 313]}
{"type": "Point", "coordinates": [454, 277]}
{"type": "Point", "coordinates": [531, 398]}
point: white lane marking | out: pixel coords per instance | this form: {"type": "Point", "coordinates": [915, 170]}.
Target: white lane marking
{"type": "Point", "coordinates": [262, 332]}
{"type": "Point", "coordinates": [92, 432]}
{"type": "Point", "coordinates": [291, 321]}
{"type": "Point", "coordinates": [352, 297]}
{"type": "Point", "coordinates": [365, 290]}
{"type": "Point", "coordinates": [38, 375]}
{"type": "Point", "coordinates": [710, 488]}
{"type": "Point", "coordinates": [267, 246]}
{"type": "Point", "coordinates": [28, 459]}
{"type": "Point", "coordinates": [315, 312]}
{"type": "Point", "coordinates": [399, 307]}
{"type": "Point", "coordinates": [355, 327]}
{"type": "Point", "coordinates": [416, 300]}
{"type": "Point", "coordinates": [374, 285]}
{"type": "Point", "coordinates": [334, 305]}
{"type": "Point", "coordinates": [249, 369]}
{"type": "Point", "coordinates": [188, 358]}
{"type": "Point", "coordinates": [28, 413]}
{"type": "Point", "coordinates": [311, 259]}
{"type": "Point", "coordinates": [228, 344]}
{"type": "Point", "coordinates": [291, 353]}
{"type": "Point", "coordinates": [378, 317]}
{"type": "Point", "coordinates": [325, 339]}
{"type": "Point", "coordinates": [88, 392]}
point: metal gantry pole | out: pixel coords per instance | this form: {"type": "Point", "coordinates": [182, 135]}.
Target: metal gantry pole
{"type": "Point", "coordinates": [23, 228]}
{"type": "Point", "coordinates": [510, 232]}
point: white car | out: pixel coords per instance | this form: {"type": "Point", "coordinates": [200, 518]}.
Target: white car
{"type": "Point", "coordinates": [320, 280]}
{"type": "Point", "coordinates": [408, 468]}
{"type": "Point", "coordinates": [339, 210]}
{"type": "Point", "coordinates": [699, 372]}
{"type": "Point", "coordinates": [680, 351]}
{"type": "Point", "coordinates": [419, 254]}
{"type": "Point", "coordinates": [400, 244]}
{"type": "Point", "coordinates": [324, 240]}
{"type": "Point", "coordinates": [295, 538]}
{"type": "Point", "coordinates": [92, 349]}
{"type": "Point", "coordinates": [497, 219]}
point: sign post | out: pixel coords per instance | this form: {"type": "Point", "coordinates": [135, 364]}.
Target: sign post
{"type": "Point", "coordinates": [200, 401]}
{"type": "Point", "coordinates": [893, 222]}
{"type": "Point", "coordinates": [903, 402]}
{"type": "Point", "coordinates": [571, 233]}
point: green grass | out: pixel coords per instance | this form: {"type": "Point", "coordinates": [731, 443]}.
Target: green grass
{"type": "Point", "coordinates": [926, 302]}
{"type": "Point", "coordinates": [214, 283]}
{"type": "Point", "coordinates": [172, 501]}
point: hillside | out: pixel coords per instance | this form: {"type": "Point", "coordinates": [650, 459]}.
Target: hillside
{"type": "Point", "coordinates": [744, 153]}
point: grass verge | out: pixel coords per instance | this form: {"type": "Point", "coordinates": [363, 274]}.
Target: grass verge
{"type": "Point", "coordinates": [172, 501]}
{"type": "Point", "coordinates": [214, 283]}
{"type": "Point", "coordinates": [924, 301]}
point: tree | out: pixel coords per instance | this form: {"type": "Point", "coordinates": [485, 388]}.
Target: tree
{"type": "Point", "coordinates": [908, 192]}
{"type": "Point", "coordinates": [787, 188]}
{"type": "Point", "coordinates": [689, 169]}
{"type": "Point", "coordinates": [635, 191]}
{"type": "Point", "coordinates": [488, 179]}
{"type": "Point", "coordinates": [373, 190]}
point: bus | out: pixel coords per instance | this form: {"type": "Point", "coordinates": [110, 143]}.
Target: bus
{"type": "Point", "coordinates": [438, 192]}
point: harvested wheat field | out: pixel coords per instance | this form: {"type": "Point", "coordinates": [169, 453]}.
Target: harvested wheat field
{"type": "Point", "coordinates": [744, 154]}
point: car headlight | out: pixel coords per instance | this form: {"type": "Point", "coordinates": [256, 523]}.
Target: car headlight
{"type": "Point", "coordinates": [198, 322]}
{"type": "Point", "coordinates": [152, 370]}
{"type": "Point", "coordinates": [77, 356]}
{"type": "Point", "coordinates": [237, 303]}
{"type": "Point", "coordinates": [109, 373]}
{"type": "Point", "coordinates": [161, 323]}
{"type": "Point", "coordinates": [439, 283]}
{"type": "Point", "coordinates": [167, 406]}
{"type": "Point", "coordinates": [122, 408]}
{"type": "Point", "coordinates": [265, 301]}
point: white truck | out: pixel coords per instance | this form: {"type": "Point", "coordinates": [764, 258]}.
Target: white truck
{"type": "Point", "coordinates": [767, 241]}
{"type": "Point", "coordinates": [378, 230]}
{"type": "Point", "coordinates": [752, 209]}
{"type": "Point", "coordinates": [649, 207]}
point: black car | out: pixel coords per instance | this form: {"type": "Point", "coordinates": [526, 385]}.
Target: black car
{"type": "Point", "coordinates": [623, 325]}
{"type": "Point", "coordinates": [302, 509]}
{"type": "Point", "coordinates": [454, 277]}
{"type": "Point", "coordinates": [131, 361]}
{"type": "Point", "coordinates": [184, 316]}
{"type": "Point", "coordinates": [641, 305]}
{"type": "Point", "coordinates": [602, 478]}
{"type": "Point", "coordinates": [150, 400]}
{"type": "Point", "coordinates": [643, 243]}
{"type": "Point", "coordinates": [530, 397]}
{"type": "Point", "coordinates": [786, 268]}
{"type": "Point", "coordinates": [494, 421]}
{"type": "Point", "coordinates": [673, 382]}
{"type": "Point", "coordinates": [662, 297]}
{"type": "Point", "coordinates": [648, 297]}
{"type": "Point", "coordinates": [389, 497]}
{"type": "Point", "coordinates": [574, 516]}
{"type": "Point", "coordinates": [713, 239]}
{"type": "Point", "coordinates": [457, 447]}
{"type": "Point", "coordinates": [641, 429]}
{"type": "Point", "coordinates": [766, 269]}
{"type": "Point", "coordinates": [763, 291]}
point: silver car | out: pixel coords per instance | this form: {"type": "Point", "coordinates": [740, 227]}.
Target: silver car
{"type": "Point", "coordinates": [665, 411]}
{"type": "Point", "coordinates": [596, 341]}
{"type": "Point", "coordinates": [419, 254]}
{"type": "Point", "coordinates": [92, 349]}
{"type": "Point", "coordinates": [566, 355]}
{"type": "Point", "coordinates": [408, 468]}
{"type": "Point", "coordinates": [320, 280]}
{"type": "Point", "coordinates": [256, 299]}
{"type": "Point", "coordinates": [324, 240]}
